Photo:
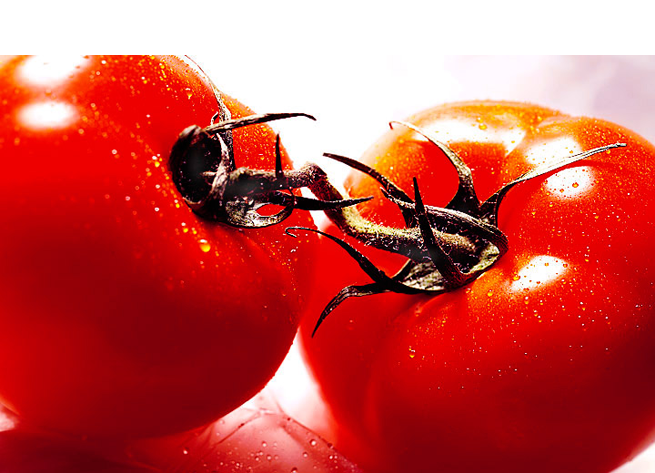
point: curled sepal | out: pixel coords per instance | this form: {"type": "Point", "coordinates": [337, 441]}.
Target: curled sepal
{"type": "Point", "coordinates": [345, 293]}
{"type": "Point", "coordinates": [204, 171]}
{"type": "Point", "coordinates": [436, 271]}
{"type": "Point", "coordinates": [465, 199]}
{"type": "Point", "coordinates": [413, 278]}
{"type": "Point", "coordinates": [367, 266]}
{"type": "Point", "coordinates": [231, 124]}
{"type": "Point", "coordinates": [382, 282]}
{"type": "Point", "coordinates": [388, 188]}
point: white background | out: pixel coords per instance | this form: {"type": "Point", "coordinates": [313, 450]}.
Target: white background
{"type": "Point", "coordinates": [358, 65]}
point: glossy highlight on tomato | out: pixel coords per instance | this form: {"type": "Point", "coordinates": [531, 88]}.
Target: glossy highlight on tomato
{"type": "Point", "coordinates": [543, 363]}
{"type": "Point", "coordinates": [122, 312]}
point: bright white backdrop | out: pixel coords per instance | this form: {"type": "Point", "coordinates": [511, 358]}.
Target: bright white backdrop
{"type": "Point", "coordinates": [357, 65]}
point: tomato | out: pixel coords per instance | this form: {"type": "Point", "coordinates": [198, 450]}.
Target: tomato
{"type": "Point", "coordinates": [123, 312]}
{"type": "Point", "coordinates": [543, 363]}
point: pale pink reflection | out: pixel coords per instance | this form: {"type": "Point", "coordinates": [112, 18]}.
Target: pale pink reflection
{"type": "Point", "coordinates": [539, 270]}
{"type": "Point", "coordinates": [47, 115]}
{"type": "Point", "coordinates": [7, 421]}
{"type": "Point", "coordinates": [51, 70]}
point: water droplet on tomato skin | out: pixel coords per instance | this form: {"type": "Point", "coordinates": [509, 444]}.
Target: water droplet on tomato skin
{"type": "Point", "coordinates": [205, 246]}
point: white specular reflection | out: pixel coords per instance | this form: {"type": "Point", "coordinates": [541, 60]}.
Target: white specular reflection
{"type": "Point", "coordinates": [49, 71]}
{"type": "Point", "coordinates": [571, 182]}
{"type": "Point", "coordinates": [458, 130]}
{"type": "Point", "coordinates": [568, 182]}
{"type": "Point", "coordinates": [539, 270]}
{"type": "Point", "coordinates": [48, 114]}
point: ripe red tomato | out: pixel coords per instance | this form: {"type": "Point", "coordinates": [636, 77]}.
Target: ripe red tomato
{"type": "Point", "coordinates": [123, 312]}
{"type": "Point", "coordinates": [542, 364]}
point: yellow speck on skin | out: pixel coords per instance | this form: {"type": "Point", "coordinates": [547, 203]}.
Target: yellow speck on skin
{"type": "Point", "coordinates": [204, 245]}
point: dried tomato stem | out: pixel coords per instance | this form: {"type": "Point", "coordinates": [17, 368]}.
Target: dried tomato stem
{"type": "Point", "coordinates": [446, 247]}
{"type": "Point", "coordinates": [205, 173]}
{"type": "Point", "coordinates": [405, 241]}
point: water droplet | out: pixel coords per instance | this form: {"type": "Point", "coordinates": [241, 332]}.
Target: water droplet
{"type": "Point", "coordinates": [204, 245]}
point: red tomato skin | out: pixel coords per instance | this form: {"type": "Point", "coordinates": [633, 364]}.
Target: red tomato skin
{"type": "Point", "coordinates": [123, 313]}
{"type": "Point", "coordinates": [540, 365]}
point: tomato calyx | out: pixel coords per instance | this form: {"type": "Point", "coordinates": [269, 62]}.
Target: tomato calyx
{"type": "Point", "coordinates": [446, 248]}
{"type": "Point", "coordinates": [205, 173]}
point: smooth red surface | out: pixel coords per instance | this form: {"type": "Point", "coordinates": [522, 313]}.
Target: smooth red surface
{"type": "Point", "coordinates": [121, 312]}
{"type": "Point", "coordinates": [545, 362]}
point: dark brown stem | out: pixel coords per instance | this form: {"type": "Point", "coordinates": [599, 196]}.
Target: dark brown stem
{"type": "Point", "coordinates": [408, 241]}
{"type": "Point", "coordinates": [204, 171]}
{"type": "Point", "coordinates": [447, 247]}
